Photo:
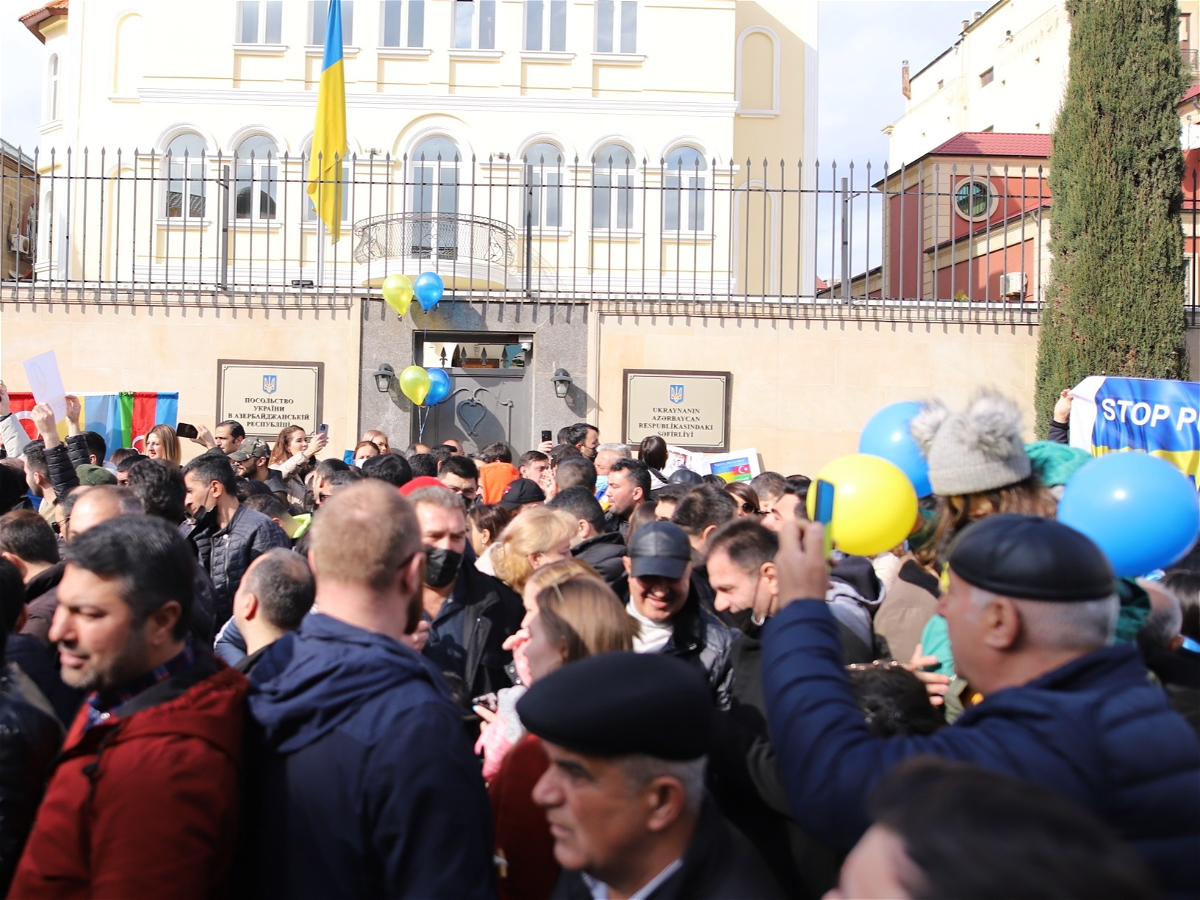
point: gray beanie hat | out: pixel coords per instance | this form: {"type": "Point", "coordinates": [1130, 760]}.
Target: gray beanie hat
{"type": "Point", "coordinates": [969, 452]}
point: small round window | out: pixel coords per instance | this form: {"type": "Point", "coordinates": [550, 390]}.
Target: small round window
{"type": "Point", "coordinates": [973, 199]}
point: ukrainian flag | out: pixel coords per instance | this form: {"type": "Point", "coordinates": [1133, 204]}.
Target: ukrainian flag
{"type": "Point", "coordinates": [329, 134]}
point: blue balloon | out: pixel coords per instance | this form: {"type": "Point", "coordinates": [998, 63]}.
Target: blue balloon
{"type": "Point", "coordinates": [429, 288]}
{"type": "Point", "coordinates": [1141, 510]}
{"type": "Point", "coordinates": [886, 434]}
{"type": "Point", "coordinates": [439, 387]}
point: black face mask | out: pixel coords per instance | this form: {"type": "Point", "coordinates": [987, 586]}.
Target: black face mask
{"type": "Point", "coordinates": [441, 566]}
{"type": "Point", "coordinates": [206, 517]}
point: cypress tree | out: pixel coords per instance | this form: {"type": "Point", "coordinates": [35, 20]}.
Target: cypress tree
{"type": "Point", "coordinates": [1115, 300]}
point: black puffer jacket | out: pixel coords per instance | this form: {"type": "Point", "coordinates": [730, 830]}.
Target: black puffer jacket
{"type": "Point", "coordinates": [226, 554]}
{"type": "Point", "coordinates": [29, 740]}
{"type": "Point", "coordinates": [606, 554]}
{"type": "Point", "coordinates": [698, 637]}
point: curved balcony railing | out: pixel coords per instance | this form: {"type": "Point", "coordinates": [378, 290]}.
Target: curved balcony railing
{"type": "Point", "coordinates": [443, 236]}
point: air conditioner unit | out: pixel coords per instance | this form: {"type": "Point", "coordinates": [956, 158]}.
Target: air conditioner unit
{"type": "Point", "coordinates": [19, 243]}
{"type": "Point", "coordinates": [1012, 284]}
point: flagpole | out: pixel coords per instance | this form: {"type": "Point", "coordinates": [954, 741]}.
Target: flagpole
{"type": "Point", "coordinates": [320, 253]}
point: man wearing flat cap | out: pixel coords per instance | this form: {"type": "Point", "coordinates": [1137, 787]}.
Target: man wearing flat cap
{"type": "Point", "coordinates": [627, 737]}
{"type": "Point", "coordinates": [667, 608]}
{"type": "Point", "coordinates": [1031, 608]}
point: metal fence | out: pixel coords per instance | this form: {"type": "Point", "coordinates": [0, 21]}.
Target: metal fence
{"type": "Point", "coordinates": [934, 238]}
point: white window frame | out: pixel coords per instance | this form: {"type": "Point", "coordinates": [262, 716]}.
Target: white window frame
{"type": "Point", "coordinates": [53, 87]}
{"type": "Point", "coordinates": [992, 196]}
{"type": "Point", "coordinates": [547, 22]}
{"type": "Point", "coordinates": [619, 197]}
{"type": "Point", "coordinates": [316, 29]}
{"type": "Point", "coordinates": [261, 34]}
{"type": "Point", "coordinates": [264, 170]}
{"type": "Point", "coordinates": [620, 8]}
{"type": "Point", "coordinates": [478, 8]}
{"type": "Point", "coordinates": [431, 179]}
{"type": "Point", "coordinates": [546, 178]}
{"type": "Point", "coordinates": [404, 32]}
{"type": "Point", "coordinates": [175, 172]}
{"type": "Point", "coordinates": [310, 208]}
{"type": "Point", "coordinates": [684, 191]}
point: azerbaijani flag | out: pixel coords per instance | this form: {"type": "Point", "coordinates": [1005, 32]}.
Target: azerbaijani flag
{"type": "Point", "coordinates": [123, 419]}
{"type": "Point", "coordinates": [329, 133]}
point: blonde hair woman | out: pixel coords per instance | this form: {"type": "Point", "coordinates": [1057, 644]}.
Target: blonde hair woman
{"type": "Point", "coordinates": [162, 443]}
{"type": "Point", "coordinates": [378, 438]}
{"type": "Point", "coordinates": [536, 537]}
{"type": "Point", "coordinates": [575, 618]}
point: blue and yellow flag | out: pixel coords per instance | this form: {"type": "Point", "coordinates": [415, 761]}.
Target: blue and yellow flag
{"type": "Point", "coordinates": [329, 134]}
{"type": "Point", "coordinates": [1156, 416]}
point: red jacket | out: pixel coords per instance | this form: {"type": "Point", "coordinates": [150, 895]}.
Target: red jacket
{"type": "Point", "coordinates": [522, 836]}
{"type": "Point", "coordinates": [144, 804]}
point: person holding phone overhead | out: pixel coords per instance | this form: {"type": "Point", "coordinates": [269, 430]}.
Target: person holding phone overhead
{"type": "Point", "coordinates": [293, 458]}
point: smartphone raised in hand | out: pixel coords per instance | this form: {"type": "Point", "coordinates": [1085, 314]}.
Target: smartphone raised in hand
{"type": "Point", "coordinates": [184, 430]}
{"type": "Point", "coordinates": [824, 512]}
{"type": "Point", "coordinates": [545, 434]}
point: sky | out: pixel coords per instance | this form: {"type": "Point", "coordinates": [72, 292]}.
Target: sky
{"type": "Point", "coordinates": [861, 46]}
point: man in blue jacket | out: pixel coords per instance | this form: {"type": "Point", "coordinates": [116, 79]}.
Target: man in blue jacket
{"type": "Point", "coordinates": [361, 779]}
{"type": "Point", "coordinates": [1030, 609]}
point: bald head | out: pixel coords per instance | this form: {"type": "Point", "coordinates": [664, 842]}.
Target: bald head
{"type": "Point", "coordinates": [1165, 620]}
{"type": "Point", "coordinates": [363, 535]}
{"type": "Point", "coordinates": [93, 505]}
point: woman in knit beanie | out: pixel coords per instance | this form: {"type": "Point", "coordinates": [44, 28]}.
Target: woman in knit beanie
{"type": "Point", "coordinates": [978, 466]}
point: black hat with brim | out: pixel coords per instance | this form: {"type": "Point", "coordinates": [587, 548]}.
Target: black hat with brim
{"type": "Point", "coordinates": [1031, 558]}
{"type": "Point", "coordinates": [616, 704]}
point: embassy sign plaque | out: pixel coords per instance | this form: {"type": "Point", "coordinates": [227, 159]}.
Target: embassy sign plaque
{"type": "Point", "coordinates": [688, 409]}
{"type": "Point", "coordinates": [266, 396]}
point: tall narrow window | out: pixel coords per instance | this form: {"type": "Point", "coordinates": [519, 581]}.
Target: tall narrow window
{"type": "Point", "coordinates": [403, 27]}
{"type": "Point", "coordinates": [683, 190]}
{"type": "Point", "coordinates": [475, 24]}
{"type": "Point", "coordinates": [616, 26]}
{"type": "Point", "coordinates": [185, 177]}
{"type": "Point", "coordinates": [546, 25]}
{"type": "Point", "coordinates": [612, 188]}
{"type": "Point", "coordinates": [435, 199]}
{"type": "Point", "coordinates": [52, 88]}
{"type": "Point", "coordinates": [318, 13]}
{"type": "Point", "coordinates": [257, 178]}
{"type": "Point", "coordinates": [260, 21]}
{"type": "Point", "coordinates": [543, 185]}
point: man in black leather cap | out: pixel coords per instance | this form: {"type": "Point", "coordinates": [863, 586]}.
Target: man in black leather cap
{"type": "Point", "coordinates": [1031, 609]}
{"type": "Point", "coordinates": [627, 737]}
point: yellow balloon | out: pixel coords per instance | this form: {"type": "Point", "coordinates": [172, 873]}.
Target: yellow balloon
{"type": "Point", "coordinates": [414, 383]}
{"type": "Point", "coordinates": [398, 293]}
{"type": "Point", "coordinates": [874, 504]}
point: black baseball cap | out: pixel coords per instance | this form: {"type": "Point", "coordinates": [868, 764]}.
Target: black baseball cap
{"type": "Point", "coordinates": [659, 548]}
{"type": "Point", "coordinates": [521, 491]}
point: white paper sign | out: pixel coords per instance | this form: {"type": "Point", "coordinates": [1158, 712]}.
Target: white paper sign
{"type": "Point", "coordinates": [45, 381]}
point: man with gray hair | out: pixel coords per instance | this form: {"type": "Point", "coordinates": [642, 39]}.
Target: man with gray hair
{"type": "Point", "coordinates": [607, 454]}
{"type": "Point", "coordinates": [273, 598]}
{"type": "Point", "coordinates": [627, 737]}
{"type": "Point", "coordinates": [1031, 609]}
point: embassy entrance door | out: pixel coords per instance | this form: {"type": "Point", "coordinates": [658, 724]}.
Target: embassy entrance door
{"type": "Point", "coordinates": [490, 398]}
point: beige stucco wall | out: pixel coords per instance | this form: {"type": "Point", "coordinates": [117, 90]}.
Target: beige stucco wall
{"type": "Point", "coordinates": [803, 389]}
{"type": "Point", "coordinates": [173, 348]}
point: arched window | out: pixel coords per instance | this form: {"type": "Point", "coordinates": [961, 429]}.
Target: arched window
{"type": "Point", "coordinates": [612, 187]}
{"type": "Point", "coordinates": [256, 158]}
{"type": "Point", "coordinates": [757, 82]}
{"type": "Point", "coordinates": [683, 190]}
{"type": "Point", "coordinates": [185, 177]}
{"type": "Point", "coordinates": [127, 56]}
{"type": "Point", "coordinates": [435, 199]}
{"type": "Point", "coordinates": [543, 180]}
{"type": "Point", "coordinates": [52, 84]}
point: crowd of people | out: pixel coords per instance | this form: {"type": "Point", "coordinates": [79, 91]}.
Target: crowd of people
{"type": "Point", "coordinates": [576, 673]}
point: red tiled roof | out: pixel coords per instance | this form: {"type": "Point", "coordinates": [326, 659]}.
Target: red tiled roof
{"type": "Point", "coordinates": [991, 143]}
{"type": "Point", "coordinates": [34, 20]}
{"type": "Point", "coordinates": [1193, 91]}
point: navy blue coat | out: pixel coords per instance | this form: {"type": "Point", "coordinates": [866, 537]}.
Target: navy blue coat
{"type": "Point", "coordinates": [360, 778]}
{"type": "Point", "coordinates": [1096, 730]}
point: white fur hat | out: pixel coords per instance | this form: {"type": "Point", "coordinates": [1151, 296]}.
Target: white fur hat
{"type": "Point", "coordinates": [981, 449]}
